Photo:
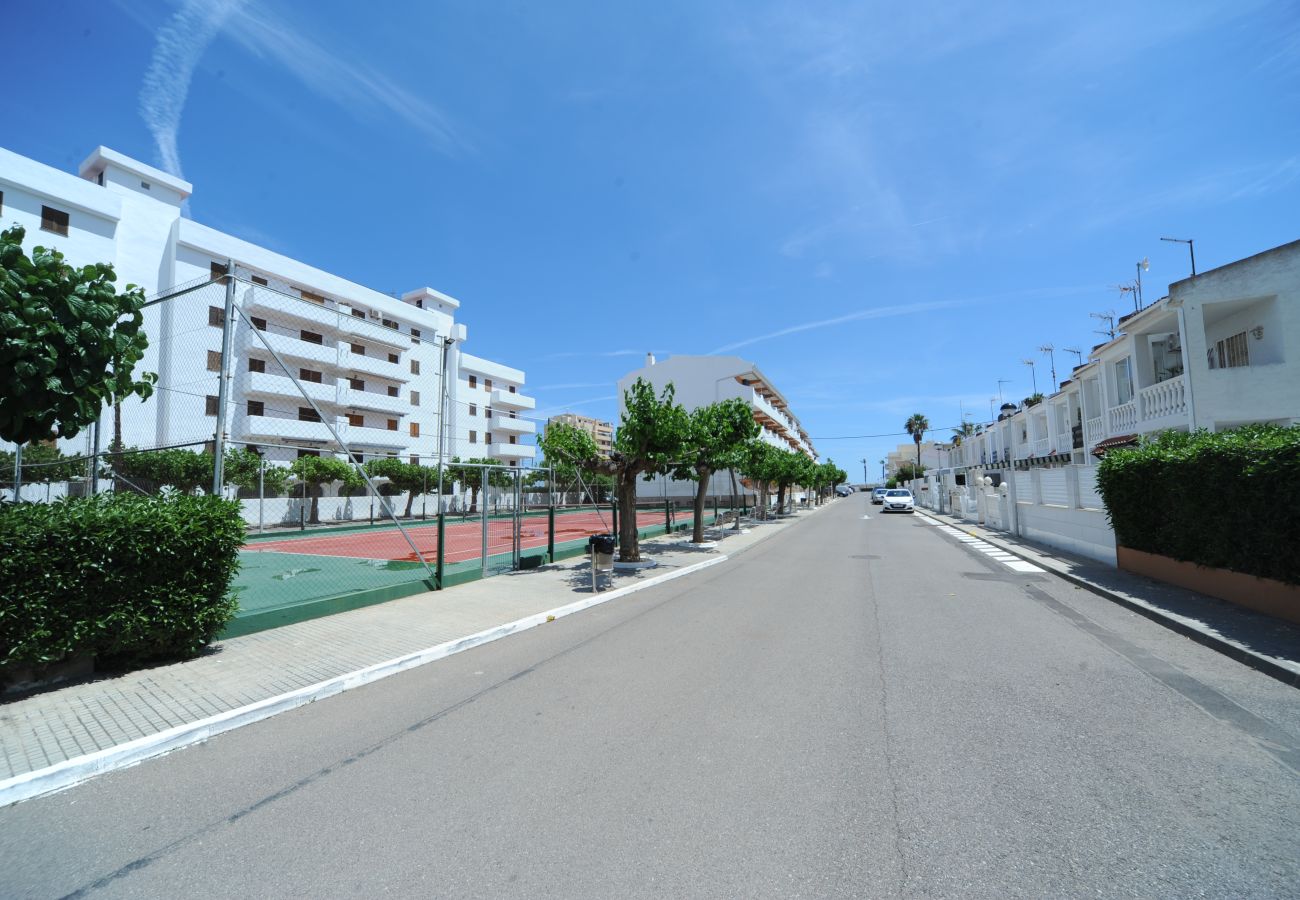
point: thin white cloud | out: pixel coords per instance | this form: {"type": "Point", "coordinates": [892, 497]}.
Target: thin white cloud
{"type": "Point", "coordinates": [178, 46]}
{"type": "Point", "coordinates": [534, 389]}
{"type": "Point", "coordinates": [567, 407]}
{"type": "Point", "coordinates": [603, 353]}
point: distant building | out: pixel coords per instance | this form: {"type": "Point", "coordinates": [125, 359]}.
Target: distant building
{"type": "Point", "coordinates": [700, 380]}
{"type": "Point", "coordinates": [601, 432]}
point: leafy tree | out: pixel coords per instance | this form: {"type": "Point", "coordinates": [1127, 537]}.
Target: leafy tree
{"type": "Point", "coordinates": [149, 470]}
{"type": "Point", "coordinates": [243, 467]}
{"type": "Point", "coordinates": [42, 463]}
{"type": "Point", "coordinates": [404, 478]}
{"type": "Point", "coordinates": [564, 447]}
{"type": "Point", "coordinates": [651, 437]}
{"type": "Point", "coordinates": [68, 342]}
{"type": "Point", "coordinates": [469, 473]}
{"type": "Point", "coordinates": [314, 472]}
{"type": "Point", "coordinates": [917, 425]}
{"type": "Point", "coordinates": [966, 430]}
{"type": "Point", "coordinates": [717, 436]}
{"type": "Point", "coordinates": [908, 472]}
{"type": "Point", "coordinates": [760, 463]}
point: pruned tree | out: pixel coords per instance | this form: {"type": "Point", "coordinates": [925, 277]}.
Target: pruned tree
{"type": "Point", "coordinates": [314, 472]}
{"type": "Point", "coordinates": [247, 470]}
{"type": "Point", "coordinates": [469, 472]}
{"type": "Point", "coordinates": [565, 448]}
{"type": "Point", "coordinates": [150, 470]}
{"type": "Point", "coordinates": [69, 342]}
{"type": "Point", "coordinates": [403, 478]}
{"type": "Point", "coordinates": [760, 462]}
{"type": "Point", "coordinates": [42, 463]}
{"type": "Point", "coordinates": [717, 436]}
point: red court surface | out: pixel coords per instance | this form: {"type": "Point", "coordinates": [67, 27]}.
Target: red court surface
{"type": "Point", "coordinates": [464, 539]}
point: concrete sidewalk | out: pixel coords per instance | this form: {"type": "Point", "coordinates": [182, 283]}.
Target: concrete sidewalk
{"type": "Point", "coordinates": [59, 737]}
{"type": "Point", "coordinates": [1262, 642]}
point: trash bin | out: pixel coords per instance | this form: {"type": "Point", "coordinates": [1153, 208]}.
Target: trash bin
{"type": "Point", "coordinates": [601, 548]}
{"type": "Point", "coordinates": [602, 544]}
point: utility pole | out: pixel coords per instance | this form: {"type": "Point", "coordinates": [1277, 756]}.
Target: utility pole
{"type": "Point", "coordinates": [865, 479]}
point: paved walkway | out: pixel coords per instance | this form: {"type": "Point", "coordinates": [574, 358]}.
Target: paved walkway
{"type": "Point", "coordinates": [50, 728]}
{"type": "Point", "coordinates": [1263, 642]}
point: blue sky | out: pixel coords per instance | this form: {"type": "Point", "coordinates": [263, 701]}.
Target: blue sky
{"type": "Point", "coordinates": [886, 209]}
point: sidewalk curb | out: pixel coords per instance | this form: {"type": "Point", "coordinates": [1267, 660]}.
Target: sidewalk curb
{"type": "Point", "coordinates": [74, 771]}
{"type": "Point", "coordinates": [1229, 649]}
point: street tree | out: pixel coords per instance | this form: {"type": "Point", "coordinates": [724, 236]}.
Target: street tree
{"type": "Point", "coordinates": [246, 470]}
{"type": "Point", "coordinates": [469, 472]}
{"type": "Point", "coordinates": [717, 435]}
{"type": "Point", "coordinates": [42, 464]}
{"type": "Point", "coordinates": [403, 478]}
{"type": "Point", "coordinates": [760, 464]}
{"type": "Point", "coordinates": [314, 472]}
{"type": "Point", "coordinates": [917, 425]}
{"type": "Point", "coordinates": [69, 342]}
{"type": "Point", "coordinates": [148, 471]}
{"type": "Point", "coordinates": [565, 449]}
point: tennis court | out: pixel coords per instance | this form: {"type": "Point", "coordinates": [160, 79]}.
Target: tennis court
{"type": "Point", "coordinates": [297, 576]}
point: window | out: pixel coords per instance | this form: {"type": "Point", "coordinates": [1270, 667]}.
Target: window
{"type": "Point", "coordinates": [393, 392]}
{"type": "Point", "coordinates": [54, 220]}
{"type": "Point", "coordinates": [512, 438]}
{"type": "Point", "coordinates": [512, 388]}
{"type": "Point", "coordinates": [487, 384]}
{"type": "Point", "coordinates": [389, 323]}
{"type": "Point", "coordinates": [394, 358]}
{"type": "Point", "coordinates": [259, 324]}
{"type": "Point", "coordinates": [473, 409]}
{"type": "Point", "coordinates": [473, 437]}
{"type": "Point", "coordinates": [256, 408]}
{"type": "Point", "coordinates": [415, 460]}
{"type": "Point", "coordinates": [358, 313]}
{"type": "Point", "coordinates": [210, 405]}
{"type": "Point", "coordinates": [358, 350]}
{"type": "Point", "coordinates": [356, 420]}
{"type": "Point", "coordinates": [216, 316]}
{"type": "Point", "coordinates": [473, 381]}
{"type": "Point", "coordinates": [2, 201]}
{"type": "Point", "coordinates": [415, 429]}
{"type": "Point", "coordinates": [258, 279]}
{"type": "Point", "coordinates": [256, 365]}
{"type": "Point", "coordinates": [307, 414]}
{"type": "Point", "coordinates": [217, 271]}
{"type": "Point", "coordinates": [1123, 382]}
{"type": "Point", "coordinates": [302, 453]}
{"type": "Point", "coordinates": [214, 360]}
{"type": "Point", "coordinates": [415, 365]}
{"type": "Point", "coordinates": [309, 375]}
{"type": "Point", "coordinates": [488, 412]}
{"type": "Point", "coordinates": [514, 462]}
{"type": "Point", "coordinates": [1230, 352]}
{"type": "Point", "coordinates": [308, 295]}
{"type": "Point", "coordinates": [487, 437]}
{"type": "Point", "coordinates": [392, 424]}
{"type": "Point", "coordinates": [146, 185]}
{"type": "Point", "coordinates": [311, 337]}
{"type": "Point", "coordinates": [415, 333]}
{"type": "Point", "coordinates": [356, 384]}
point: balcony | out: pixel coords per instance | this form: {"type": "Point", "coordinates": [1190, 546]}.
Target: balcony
{"type": "Point", "coordinates": [373, 332]}
{"type": "Point", "coordinates": [506, 400]}
{"type": "Point", "coordinates": [1163, 405]}
{"type": "Point", "coordinates": [1123, 418]}
{"type": "Point", "coordinates": [511, 451]}
{"type": "Point", "coordinates": [293, 348]}
{"type": "Point", "coordinates": [351, 398]}
{"type": "Point", "coordinates": [283, 386]}
{"type": "Point", "coordinates": [1040, 446]}
{"type": "Point", "coordinates": [265, 302]}
{"type": "Point", "coordinates": [1094, 431]}
{"type": "Point", "coordinates": [372, 365]}
{"type": "Point", "coordinates": [513, 426]}
{"type": "Point", "coordinates": [360, 436]}
{"type": "Point", "coordinates": [264, 427]}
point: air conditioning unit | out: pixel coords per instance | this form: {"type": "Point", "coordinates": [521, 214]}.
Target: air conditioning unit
{"type": "Point", "coordinates": [374, 314]}
{"type": "Point", "coordinates": [1172, 344]}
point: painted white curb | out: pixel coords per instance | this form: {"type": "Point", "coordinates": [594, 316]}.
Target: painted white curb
{"type": "Point", "coordinates": [71, 772]}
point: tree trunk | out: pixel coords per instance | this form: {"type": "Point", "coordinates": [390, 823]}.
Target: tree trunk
{"type": "Point", "coordinates": [697, 534]}
{"type": "Point", "coordinates": [314, 493]}
{"type": "Point", "coordinates": [410, 501]}
{"type": "Point", "coordinates": [473, 500]}
{"type": "Point", "coordinates": [780, 500]}
{"type": "Point", "coordinates": [628, 539]}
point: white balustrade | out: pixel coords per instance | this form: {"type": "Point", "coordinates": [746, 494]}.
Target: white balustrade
{"type": "Point", "coordinates": [1123, 419]}
{"type": "Point", "coordinates": [1168, 398]}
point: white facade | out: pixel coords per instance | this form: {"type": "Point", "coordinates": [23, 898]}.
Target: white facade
{"type": "Point", "coordinates": [372, 362]}
{"type": "Point", "coordinates": [700, 380]}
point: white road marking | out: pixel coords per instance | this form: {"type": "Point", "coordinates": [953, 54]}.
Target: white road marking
{"type": "Point", "coordinates": [1010, 560]}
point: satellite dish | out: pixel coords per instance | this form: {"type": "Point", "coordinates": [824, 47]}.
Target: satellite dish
{"type": "Point", "coordinates": [1146, 264]}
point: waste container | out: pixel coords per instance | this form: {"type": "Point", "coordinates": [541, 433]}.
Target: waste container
{"type": "Point", "coordinates": [601, 548]}
{"type": "Point", "coordinates": [602, 544]}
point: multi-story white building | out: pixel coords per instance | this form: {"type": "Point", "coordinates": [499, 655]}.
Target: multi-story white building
{"type": "Point", "coordinates": [601, 432]}
{"type": "Point", "coordinates": [371, 363]}
{"type": "Point", "coordinates": [700, 380]}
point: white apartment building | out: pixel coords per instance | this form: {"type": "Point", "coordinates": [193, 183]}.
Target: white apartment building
{"type": "Point", "coordinates": [1221, 350]}
{"type": "Point", "coordinates": [700, 380]}
{"type": "Point", "coordinates": [372, 363]}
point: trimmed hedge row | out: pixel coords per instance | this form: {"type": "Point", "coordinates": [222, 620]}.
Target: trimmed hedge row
{"type": "Point", "coordinates": [1228, 500]}
{"type": "Point", "coordinates": [126, 577]}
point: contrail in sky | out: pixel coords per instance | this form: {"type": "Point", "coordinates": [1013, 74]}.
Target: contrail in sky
{"type": "Point", "coordinates": [179, 45]}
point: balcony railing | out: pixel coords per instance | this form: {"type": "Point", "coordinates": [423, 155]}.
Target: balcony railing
{"type": "Point", "coordinates": [363, 436]}
{"type": "Point", "coordinates": [511, 451]}
{"type": "Point", "coordinates": [352, 398]}
{"type": "Point", "coordinates": [1163, 400]}
{"type": "Point", "coordinates": [282, 386]}
{"type": "Point", "coordinates": [293, 347]}
{"type": "Point", "coordinates": [508, 400]}
{"type": "Point", "coordinates": [372, 365]}
{"type": "Point", "coordinates": [1039, 446]}
{"type": "Point", "coordinates": [1123, 418]}
{"type": "Point", "coordinates": [513, 426]}
{"type": "Point", "coordinates": [1094, 431]}
{"type": "Point", "coordinates": [263, 302]}
{"type": "Point", "coordinates": [373, 332]}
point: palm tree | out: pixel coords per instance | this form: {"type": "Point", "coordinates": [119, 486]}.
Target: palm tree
{"type": "Point", "coordinates": [960, 434]}
{"type": "Point", "coordinates": [917, 425]}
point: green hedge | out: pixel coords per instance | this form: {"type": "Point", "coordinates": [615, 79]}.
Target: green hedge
{"type": "Point", "coordinates": [1228, 500]}
{"type": "Point", "coordinates": [125, 577]}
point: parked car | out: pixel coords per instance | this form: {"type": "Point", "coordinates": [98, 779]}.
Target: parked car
{"type": "Point", "coordinates": [878, 495]}
{"type": "Point", "coordinates": [843, 490]}
{"type": "Point", "coordinates": [898, 500]}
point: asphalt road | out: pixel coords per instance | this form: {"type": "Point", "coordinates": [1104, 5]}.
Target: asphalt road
{"type": "Point", "coordinates": [854, 708]}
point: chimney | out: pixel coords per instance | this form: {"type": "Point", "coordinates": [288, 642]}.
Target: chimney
{"type": "Point", "coordinates": [649, 359]}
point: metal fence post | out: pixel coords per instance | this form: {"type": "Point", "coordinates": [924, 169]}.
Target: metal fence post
{"type": "Point", "coordinates": [483, 517]}
{"type": "Point", "coordinates": [223, 381]}
{"type": "Point", "coordinates": [614, 518]}
{"type": "Point", "coordinates": [18, 474]}
{"type": "Point", "coordinates": [668, 517]}
{"type": "Point", "coordinates": [442, 529]}
{"type": "Point", "coordinates": [550, 533]}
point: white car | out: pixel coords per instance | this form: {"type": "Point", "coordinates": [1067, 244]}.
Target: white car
{"type": "Point", "coordinates": [878, 495]}
{"type": "Point", "coordinates": [898, 500]}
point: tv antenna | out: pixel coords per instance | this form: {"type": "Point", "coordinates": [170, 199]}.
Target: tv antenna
{"type": "Point", "coordinates": [1107, 317]}
{"type": "Point", "coordinates": [1078, 355]}
{"type": "Point", "coordinates": [1049, 349]}
{"type": "Point", "coordinates": [1129, 289]}
{"type": "Point", "coordinates": [1190, 249]}
{"type": "Point", "coordinates": [1033, 373]}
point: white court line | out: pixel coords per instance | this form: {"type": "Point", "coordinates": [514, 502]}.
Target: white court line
{"type": "Point", "coordinates": [1021, 566]}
